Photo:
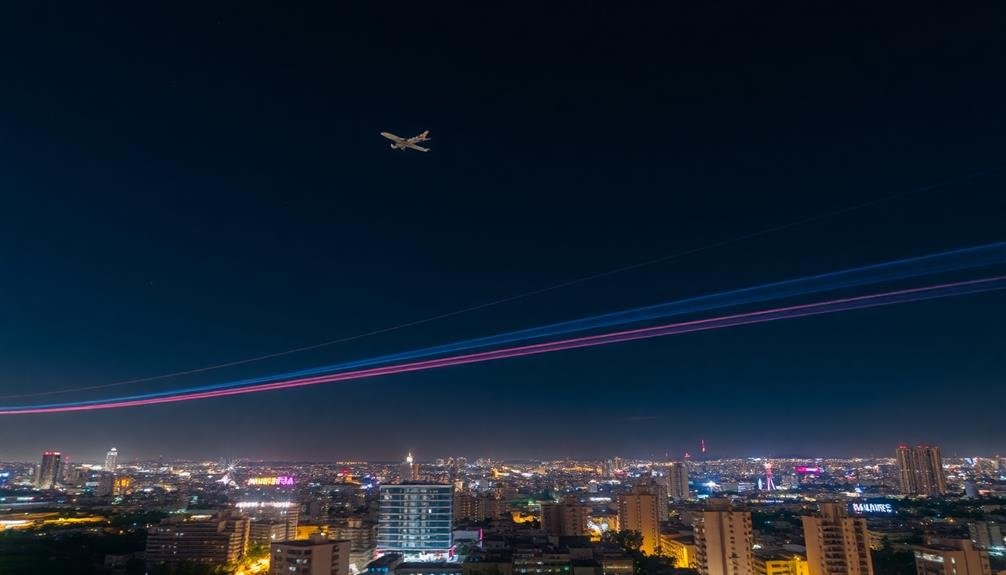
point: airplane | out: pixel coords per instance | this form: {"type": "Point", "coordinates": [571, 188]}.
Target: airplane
{"type": "Point", "coordinates": [399, 143]}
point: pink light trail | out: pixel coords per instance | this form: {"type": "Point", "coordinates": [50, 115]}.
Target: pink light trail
{"type": "Point", "coordinates": [745, 318]}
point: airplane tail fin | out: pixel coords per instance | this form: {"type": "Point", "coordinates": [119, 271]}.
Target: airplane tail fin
{"type": "Point", "coordinates": [425, 135]}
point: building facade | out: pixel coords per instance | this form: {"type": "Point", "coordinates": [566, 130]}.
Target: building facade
{"type": "Point", "coordinates": [470, 506]}
{"type": "Point", "coordinates": [271, 521]}
{"type": "Point", "coordinates": [565, 518]}
{"type": "Point", "coordinates": [951, 557]}
{"type": "Point", "coordinates": [781, 564]}
{"type": "Point", "coordinates": [215, 540]}
{"type": "Point", "coordinates": [409, 470]}
{"type": "Point", "coordinates": [724, 541]}
{"type": "Point", "coordinates": [677, 481]}
{"type": "Point", "coordinates": [362, 537]}
{"type": "Point", "coordinates": [921, 471]}
{"type": "Point", "coordinates": [987, 535]}
{"type": "Point", "coordinates": [681, 547]}
{"type": "Point", "coordinates": [50, 470]}
{"type": "Point", "coordinates": [111, 459]}
{"type": "Point", "coordinates": [639, 510]}
{"type": "Point", "coordinates": [837, 544]}
{"type": "Point", "coordinates": [415, 519]}
{"type": "Point", "coordinates": [316, 556]}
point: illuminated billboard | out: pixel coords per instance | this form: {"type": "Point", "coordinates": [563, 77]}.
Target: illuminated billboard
{"type": "Point", "coordinates": [278, 481]}
{"type": "Point", "coordinates": [804, 470]}
{"type": "Point", "coordinates": [260, 504]}
{"type": "Point", "coordinates": [873, 508]}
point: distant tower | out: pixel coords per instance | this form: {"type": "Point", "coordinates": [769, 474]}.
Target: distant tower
{"type": "Point", "coordinates": [677, 480]}
{"type": "Point", "coordinates": [111, 459]}
{"type": "Point", "coordinates": [50, 471]}
{"type": "Point", "coordinates": [702, 447]}
{"type": "Point", "coordinates": [921, 470]}
{"type": "Point", "coordinates": [769, 484]}
{"type": "Point", "coordinates": [410, 469]}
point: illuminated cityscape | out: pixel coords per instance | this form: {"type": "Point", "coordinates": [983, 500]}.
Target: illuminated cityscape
{"type": "Point", "coordinates": [826, 516]}
{"type": "Point", "coordinates": [501, 288]}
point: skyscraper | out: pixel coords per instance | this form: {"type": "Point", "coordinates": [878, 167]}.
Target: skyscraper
{"type": "Point", "coordinates": [639, 510]}
{"type": "Point", "coordinates": [724, 541]}
{"type": "Point", "coordinates": [111, 459]}
{"type": "Point", "coordinates": [50, 471]}
{"type": "Point", "coordinates": [921, 470]}
{"type": "Point", "coordinates": [415, 519]}
{"type": "Point", "coordinates": [409, 470]}
{"type": "Point", "coordinates": [837, 544]}
{"type": "Point", "coordinates": [565, 518]}
{"type": "Point", "coordinates": [677, 480]}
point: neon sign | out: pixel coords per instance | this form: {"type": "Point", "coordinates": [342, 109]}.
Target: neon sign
{"type": "Point", "coordinates": [860, 508]}
{"type": "Point", "coordinates": [281, 480]}
{"type": "Point", "coordinates": [804, 470]}
{"type": "Point", "coordinates": [257, 504]}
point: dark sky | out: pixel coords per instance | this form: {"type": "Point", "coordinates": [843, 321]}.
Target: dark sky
{"type": "Point", "coordinates": [183, 185]}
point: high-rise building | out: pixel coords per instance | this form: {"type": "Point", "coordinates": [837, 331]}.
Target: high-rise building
{"type": "Point", "coordinates": [677, 481]}
{"type": "Point", "coordinates": [565, 518]}
{"type": "Point", "coordinates": [987, 535]}
{"type": "Point", "coordinates": [409, 470]}
{"type": "Point", "coordinates": [50, 471]}
{"type": "Point", "coordinates": [271, 521]}
{"type": "Point", "coordinates": [465, 506]}
{"type": "Point", "coordinates": [415, 519]}
{"type": "Point", "coordinates": [951, 557]}
{"type": "Point", "coordinates": [469, 506]}
{"type": "Point", "coordinates": [111, 459]}
{"type": "Point", "coordinates": [724, 540]}
{"type": "Point", "coordinates": [639, 510]}
{"type": "Point", "coordinates": [98, 483]}
{"type": "Point", "coordinates": [921, 470]}
{"type": "Point", "coordinates": [836, 543]}
{"type": "Point", "coordinates": [491, 506]}
{"type": "Point", "coordinates": [215, 540]}
{"type": "Point", "coordinates": [362, 537]}
{"type": "Point", "coordinates": [318, 555]}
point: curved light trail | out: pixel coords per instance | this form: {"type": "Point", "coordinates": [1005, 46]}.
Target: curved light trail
{"type": "Point", "coordinates": [930, 264]}
{"type": "Point", "coordinates": [746, 318]}
{"type": "Point", "coordinates": [523, 295]}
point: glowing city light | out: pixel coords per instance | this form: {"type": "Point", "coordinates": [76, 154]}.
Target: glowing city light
{"type": "Point", "coordinates": [281, 480]}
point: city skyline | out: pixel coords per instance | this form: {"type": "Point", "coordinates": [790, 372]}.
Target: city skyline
{"type": "Point", "coordinates": [556, 288]}
{"type": "Point", "coordinates": [403, 459]}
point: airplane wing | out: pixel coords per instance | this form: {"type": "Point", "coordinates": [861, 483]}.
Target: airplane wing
{"type": "Point", "coordinates": [415, 147]}
{"type": "Point", "coordinates": [393, 137]}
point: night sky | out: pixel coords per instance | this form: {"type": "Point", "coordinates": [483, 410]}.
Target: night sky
{"type": "Point", "coordinates": [184, 185]}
